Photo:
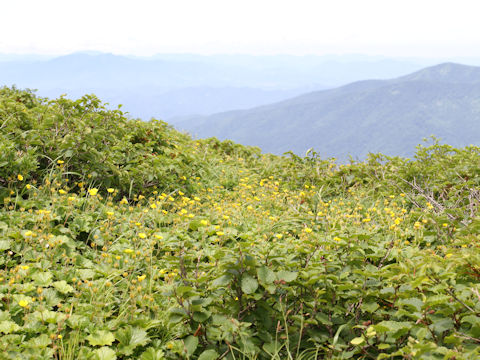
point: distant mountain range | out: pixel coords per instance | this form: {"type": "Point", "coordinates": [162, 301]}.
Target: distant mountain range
{"type": "Point", "coordinates": [388, 116]}
{"type": "Point", "coordinates": [171, 85]}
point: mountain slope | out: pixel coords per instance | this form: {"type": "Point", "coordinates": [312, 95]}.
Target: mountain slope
{"type": "Point", "coordinates": [388, 116]}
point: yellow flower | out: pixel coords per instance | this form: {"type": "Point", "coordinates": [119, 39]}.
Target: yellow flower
{"type": "Point", "coordinates": [28, 186]}
{"type": "Point", "coordinates": [93, 191]}
{"type": "Point", "coordinates": [110, 190]}
{"type": "Point", "coordinates": [62, 192]}
{"type": "Point", "coordinates": [60, 162]}
{"type": "Point", "coordinates": [28, 233]}
{"type": "Point", "coordinates": [128, 251]}
{"type": "Point", "coordinates": [25, 267]}
{"type": "Point", "coordinates": [20, 177]}
{"type": "Point", "coordinates": [204, 222]}
{"type": "Point", "coordinates": [142, 235]}
{"type": "Point", "coordinates": [308, 230]}
{"type": "Point", "coordinates": [220, 233]}
{"type": "Point", "coordinates": [124, 201]}
{"type": "Point", "coordinates": [141, 277]}
{"type": "Point", "coordinates": [278, 236]}
{"type": "Point", "coordinates": [23, 303]}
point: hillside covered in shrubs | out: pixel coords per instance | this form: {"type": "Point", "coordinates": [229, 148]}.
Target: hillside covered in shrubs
{"type": "Point", "coordinates": [123, 239]}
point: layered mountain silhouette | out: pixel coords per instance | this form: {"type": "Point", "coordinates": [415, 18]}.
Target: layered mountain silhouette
{"type": "Point", "coordinates": [387, 116]}
{"type": "Point", "coordinates": [171, 85]}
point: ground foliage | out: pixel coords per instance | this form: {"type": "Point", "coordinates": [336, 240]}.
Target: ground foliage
{"type": "Point", "coordinates": [123, 239]}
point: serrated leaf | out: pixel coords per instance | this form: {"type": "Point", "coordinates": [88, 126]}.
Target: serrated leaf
{"type": "Point", "coordinates": [41, 341]}
{"type": "Point", "coordinates": [77, 321]}
{"type": "Point", "coordinates": [442, 325]}
{"type": "Point", "coordinates": [129, 338]}
{"type": "Point", "coordinates": [208, 355]}
{"type": "Point", "coordinates": [152, 354]}
{"type": "Point", "coordinates": [265, 275]}
{"type": "Point", "coordinates": [86, 274]}
{"type": "Point", "coordinates": [100, 338]}
{"type": "Point", "coordinates": [42, 278]}
{"type": "Point", "coordinates": [222, 281]}
{"type": "Point", "coordinates": [249, 284]}
{"type": "Point", "coordinates": [176, 315]}
{"type": "Point", "coordinates": [62, 287]}
{"type": "Point", "coordinates": [105, 353]}
{"type": "Point", "coordinates": [8, 327]}
{"type": "Point", "coordinates": [191, 344]}
{"type": "Point", "coordinates": [287, 276]}
{"type": "Point", "coordinates": [370, 307]}
{"type": "Point", "coordinates": [396, 328]}
{"type": "Point", "coordinates": [412, 303]}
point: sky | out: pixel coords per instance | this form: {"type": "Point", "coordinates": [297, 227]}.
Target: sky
{"type": "Point", "coordinates": [420, 28]}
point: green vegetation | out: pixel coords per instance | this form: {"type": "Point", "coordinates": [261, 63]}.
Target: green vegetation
{"type": "Point", "coordinates": [123, 239]}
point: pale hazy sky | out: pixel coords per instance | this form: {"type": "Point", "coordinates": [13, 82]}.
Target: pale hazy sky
{"type": "Point", "coordinates": [146, 27]}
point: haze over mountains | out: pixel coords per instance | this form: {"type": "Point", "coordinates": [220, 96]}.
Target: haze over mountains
{"type": "Point", "coordinates": [171, 85]}
{"type": "Point", "coordinates": [387, 116]}
{"type": "Point", "coordinates": [292, 103]}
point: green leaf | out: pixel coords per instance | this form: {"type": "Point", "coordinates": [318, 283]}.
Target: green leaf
{"type": "Point", "coordinates": [5, 245]}
{"type": "Point", "coordinates": [191, 344]}
{"type": "Point", "coordinates": [201, 316]}
{"type": "Point", "coordinates": [86, 274]}
{"type": "Point", "coordinates": [41, 341]}
{"type": "Point", "coordinates": [442, 325]}
{"type": "Point", "coordinates": [42, 278]}
{"type": "Point", "coordinates": [100, 338]}
{"type": "Point", "coordinates": [396, 328]}
{"type": "Point", "coordinates": [62, 287]}
{"type": "Point", "coordinates": [8, 327]}
{"type": "Point", "coordinates": [129, 338]}
{"type": "Point", "coordinates": [357, 341]}
{"type": "Point", "coordinates": [412, 303]}
{"type": "Point", "coordinates": [370, 307]}
{"type": "Point", "coordinates": [249, 284]}
{"type": "Point", "coordinates": [77, 321]}
{"type": "Point", "coordinates": [287, 276]}
{"type": "Point", "coordinates": [222, 281]}
{"type": "Point", "coordinates": [105, 353]}
{"type": "Point", "coordinates": [176, 315]}
{"type": "Point", "coordinates": [152, 354]}
{"type": "Point", "coordinates": [208, 355]}
{"type": "Point", "coordinates": [265, 275]}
